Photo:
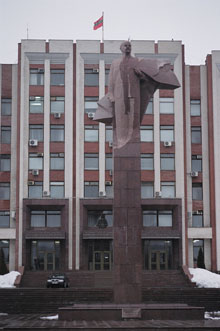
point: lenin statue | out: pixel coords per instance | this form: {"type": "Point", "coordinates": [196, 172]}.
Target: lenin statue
{"type": "Point", "coordinates": [132, 83]}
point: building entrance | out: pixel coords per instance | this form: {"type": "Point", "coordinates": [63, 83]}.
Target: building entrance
{"type": "Point", "coordinates": [100, 254]}
{"type": "Point", "coordinates": [45, 255]}
{"type": "Point", "coordinates": [158, 260]}
{"type": "Point", "coordinates": [158, 254]}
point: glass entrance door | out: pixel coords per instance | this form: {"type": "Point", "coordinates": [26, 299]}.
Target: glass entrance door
{"type": "Point", "coordinates": [46, 261]}
{"type": "Point", "coordinates": [101, 260]}
{"type": "Point", "coordinates": [158, 260]}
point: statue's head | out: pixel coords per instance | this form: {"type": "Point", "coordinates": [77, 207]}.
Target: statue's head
{"type": "Point", "coordinates": [126, 47]}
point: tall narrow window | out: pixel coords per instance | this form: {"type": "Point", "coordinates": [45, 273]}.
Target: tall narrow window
{"type": "Point", "coordinates": [195, 108]}
{"type": "Point", "coordinates": [147, 161]}
{"type": "Point", "coordinates": [4, 191]}
{"type": "Point", "coordinates": [57, 190]}
{"type": "Point", "coordinates": [57, 77]}
{"type": "Point", "coordinates": [91, 133]}
{"type": "Point", "coordinates": [168, 189]}
{"type": "Point", "coordinates": [36, 105]}
{"type": "Point", "coordinates": [147, 190]}
{"type": "Point", "coordinates": [90, 104]}
{"type": "Point", "coordinates": [57, 161]}
{"type": "Point", "coordinates": [197, 163]}
{"type": "Point", "coordinates": [91, 77]}
{"type": "Point", "coordinates": [35, 190]}
{"type": "Point", "coordinates": [197, 191]}
{"type": "Point", "coordinates": [36, 132]}
{"type": "Point", "coordinates": [167, 161]}
{"type": "Point", "coordinates": [5, 134]}
{"type": "Point", "coordinates": [57, 133]}
{"type": "Point", "coordinates": [166, 106]}
{"type": "Point", "coordinates": [91, 189]}
{"type": "Point", "coordinates": [4, 219]}
{"type": "Point", "coordinates": [36, 76]}
{"type": "Point", "coordinates": [147, 133]}
{"type": "Point", "coordinates": [35, 161]}
{"type": "Point", "coordinates": [91, 161]}
{"type": "Point", "coordinates": [57, 104]}
{"type": "Point", "coordinates": [5, 162]}
{"type": "Point", "coordinates": [196, 135]}
{"type": "Point", "coordinates": [6, 107]}
{"type": "Point", "coordinates": [166, 133]}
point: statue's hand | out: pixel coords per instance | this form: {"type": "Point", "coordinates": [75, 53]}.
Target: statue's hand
{"type": "Point", "coordinates": [139, 73]}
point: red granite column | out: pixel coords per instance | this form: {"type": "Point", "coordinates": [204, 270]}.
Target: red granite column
{"type": "Point", "coordinates": [127, 224]}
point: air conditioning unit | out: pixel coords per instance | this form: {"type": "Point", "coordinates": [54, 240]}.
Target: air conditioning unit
{"type": "Point", "coordinates": [95, 70]}
{"type": "Point", "coordinates": [13, 214]}
{"type": "Point", "coordinates": [158, 194]}
{"type": "Point", "coordinates": [194, 174]}
{"type": "Point", "coordinates": [108, 183]}
{"type": "Point", "coordinates": [110, 172]}
{"type": "Point", "coordinates": [46, 193]}
{"type": "Point", "coordinates": [102, 194]}
{"type": "Point", "coordinates": [198, 212]}
{"type": "Point", "coordinates": [167, 143]}
{"type": "Point", "coordinates": [33, 142]}
{"type": "Point", "coordinates": [110, 144]}
{"type": "Point", "coordinates": [35, 172]}
{"type": "Point", "coordinates": [30, 182]}
{"type": "Point", "coordinates": [57, 115]}
{"type": "Point", "coordinates": [91, 115]}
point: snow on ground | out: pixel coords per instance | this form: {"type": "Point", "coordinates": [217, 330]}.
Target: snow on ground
{"type": "Point", "coordinates": [215, 315]}
{"type": "Point", "coordinates": [55, 317]}
{"type": "Point", "coordinates": [8, 280]}
{"type": "Point", "coordinates": [205, 278]}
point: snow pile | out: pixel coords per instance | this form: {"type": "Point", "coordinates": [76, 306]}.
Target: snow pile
{"type": "Point", "coordinates": [55, 317]}
{"type": "Point", "coordinates": [205, 278]}
{"type": "Point", "coordinates": [215, 315]}
{"type": "Point", "coordinates": [8, 280]}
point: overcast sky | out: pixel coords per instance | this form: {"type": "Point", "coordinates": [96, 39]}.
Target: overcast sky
{"type": "Point", "coordinates": [195, 22]}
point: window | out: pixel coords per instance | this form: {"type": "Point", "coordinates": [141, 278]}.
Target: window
{"type": "Point", "coordinates": [5, 162]}
{"type": "Point", "coordinates": [147, 190]}
{"type": "Point", "coordinates": [157, 218]}
{"type": "Point", "coordinates": [95, 215]}
{"type": "Point", "coordinates": [197, 163]}
{"type": "Point", "coordinates": [57, 161]}
{"type": "Point", "coordinates": [91, 161]}
{"type": "Point", "coordinates": [91, 133]}
{"type": "Point", "coordinates": [57, 104]}
{"type": "Point", "coordinates": [91, 77]}
{"type": "Point", "coordinates": [167, 161]}
{"type": "Point", "coordinates": [198, 244]}
{"type": "Point", "coordinates": [57, 77]}
{"type": "Point", "coordinates": [149, 109]}
{"type": "Point", "coordinates": [35, 190]}
{"type": "Point", "coordinates": [5, 134]}
{"type": "Point", "coordinates": [45, 218]}
{"type": "Point", "coordinates": [108, 189]}
{"type": "Point", "coordinates": [108, 161]}
{"type": "Point", "coordinates": [57, 190]}
{"type": "Point", "coordinates": [4, 244]}
{"type": "Point", "coordinates": [36, 132]}
{"type": "Point", "coordinates": [4, 191]}
{"type": "Point", "coordinates": [147, 133]}
{"type": "Point", "coordinates": [166, 106]}
{"type": "Point", "coordinates": [6, 107]}
{"type": "Point", "coordinates": [4, 219]}
{"type": "Point", "coordinates": [35, 161]}
{"type": "Point", "coordinates": [108, 133]}
{"type": "Point", "coordinates": [196, 135]}
{"type": "Point", "coordinates": [166, 133]}
{"type": "Point", "coordinates": [57, 133]}
{"type": "Point", "coordinates": [91, 104]}
{"type": "Point", "coordinates": [195, 108]}
{"type": "Point", "coordinates": [197, 191]}
{"type": "Point", "coordinates": [197, 219]}
{"type": "Point", "coordinates": [36, 105]}
{"type": "Point", "coordinates": [91, 189]}
{"type": "Point", "coordinates": [168, 189]}
{"type": "Point", "coordinates": [147, 161]}
{"type": "Point", "coordinates": [36, 76]}
{"type": "Point", "coordinates": [106, 76]}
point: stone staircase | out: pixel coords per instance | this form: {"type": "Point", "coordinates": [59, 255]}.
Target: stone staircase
{"type": "Point", "coordinates": [165, 278]}
{"type": "Point", "coordinates": [78, 279]}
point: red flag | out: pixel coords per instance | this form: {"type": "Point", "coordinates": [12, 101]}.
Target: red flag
{"type": "Point", "coordinates": [98, 23]}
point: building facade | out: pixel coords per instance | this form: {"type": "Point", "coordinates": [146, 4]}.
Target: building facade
{"type": "Point", "coordinates": [56, 168]}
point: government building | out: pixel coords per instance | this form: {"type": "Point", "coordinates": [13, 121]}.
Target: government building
{"type": "Point", "coordinates": [56, 162]}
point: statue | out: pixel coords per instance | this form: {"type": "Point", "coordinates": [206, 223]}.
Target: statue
{"type": "Point", "coordinates": [132, 83]}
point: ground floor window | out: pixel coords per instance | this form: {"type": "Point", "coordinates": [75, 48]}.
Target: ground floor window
{"type": "Point", "coordinates": [100, 255]}
{"type": "Point", "coordinates": [198, 253]}
{"type": "Point", "coordinates": [4, 245]}
{"type": "Point", "coordinates": [158, 254]}
{"type": "Point", "coordinates": [45, 255]}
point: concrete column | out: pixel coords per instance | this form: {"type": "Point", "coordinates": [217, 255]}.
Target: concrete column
{"type": "Point", "coordinates": [46, 181]}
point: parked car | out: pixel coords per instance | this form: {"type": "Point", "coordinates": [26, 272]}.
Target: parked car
{"type": "Point", "coordinates": [58, 280]}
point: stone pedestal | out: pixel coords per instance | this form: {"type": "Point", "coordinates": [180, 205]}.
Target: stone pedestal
{"type": "Point", "coordinates": [127, 224]}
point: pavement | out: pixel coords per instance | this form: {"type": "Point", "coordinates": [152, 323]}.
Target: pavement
{"type": "Point", "coordinates": [34, 322]}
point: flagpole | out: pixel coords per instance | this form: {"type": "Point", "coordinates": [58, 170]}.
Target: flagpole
{"type": "Point", "coordinates": [103, 27]}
